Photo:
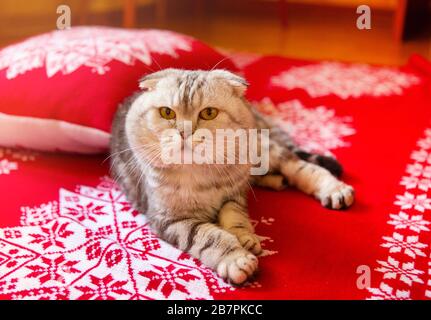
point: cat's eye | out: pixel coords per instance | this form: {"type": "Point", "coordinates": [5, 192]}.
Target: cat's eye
{"type": "Point", "coordinates": [167, 113]}
{"type": "Point", "coordinates": [208, 113]}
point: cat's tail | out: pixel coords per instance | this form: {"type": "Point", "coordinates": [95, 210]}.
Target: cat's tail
{"type": "Point", "coordinates": [283, 139]}
{"type": "Point", "coordinates": [329, 163]}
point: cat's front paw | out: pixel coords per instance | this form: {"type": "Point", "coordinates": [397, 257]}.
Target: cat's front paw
{"type": "Point", "coordinates": [250, 242]}
{"type": "Point", "coordinates": [237, 266]}
{"type": "Point", "coordinates": [338, 196]}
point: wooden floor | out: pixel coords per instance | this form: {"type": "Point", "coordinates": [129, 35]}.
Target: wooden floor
{"type": "Point", "coordinates": [312, 33]}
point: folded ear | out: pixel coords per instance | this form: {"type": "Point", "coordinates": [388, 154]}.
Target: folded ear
{"type": "Point", "coordinates": [239, 84]}
{"type": "Point", "coordinates": [149, 82]}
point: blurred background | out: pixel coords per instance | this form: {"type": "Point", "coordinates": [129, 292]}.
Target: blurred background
{"type": "Point", "coordinates": [308, 29]}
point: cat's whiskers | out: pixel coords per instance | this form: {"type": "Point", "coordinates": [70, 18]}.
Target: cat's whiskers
{"type": "Point", "coordinates": [132, 159]}
{"type": "Point", "coordinates": [138, 148]}
{"type": "Point", "coordinates": [120, 152]}
{"type": "Point", "coordinates": [148, 164]}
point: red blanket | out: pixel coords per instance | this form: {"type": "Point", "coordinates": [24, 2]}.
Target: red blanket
{"type": "Point", "coordinates": [67, 232]}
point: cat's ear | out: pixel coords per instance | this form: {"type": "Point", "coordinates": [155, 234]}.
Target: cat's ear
{"type": "Point", "coordinates": [238, 84]}
{"type": "Point", "coordinates": [149, 82]}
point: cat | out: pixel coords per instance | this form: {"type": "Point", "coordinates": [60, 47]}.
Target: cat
{"type": "Point", "coordinates": [202, 208]}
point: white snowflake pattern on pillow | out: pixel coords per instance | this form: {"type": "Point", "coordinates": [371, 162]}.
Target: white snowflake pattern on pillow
{"type": "Point", "coordinates": [67, 50]}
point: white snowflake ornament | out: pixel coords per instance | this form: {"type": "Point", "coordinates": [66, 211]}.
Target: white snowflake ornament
{"type": "Point", "coordinates": [386, 292]}
{"type": "Point", "coordinates": [345, 80]}
{"type": "Point", "coordinates": [414, 223]}
{"type": "Point", "coordinates": [313, 129]}
{"type": "Point", "coordinates": [64, 51]}
{"type": "Point", "coordinates": [406, 272]}
{"type": "Point", "coordinates": [409, 246]}
{"type": "Point", "coordinates": [6, 166]}
{"type": "Point", "coordinates": [418, 202]}
{"type": "Point", "coordinates": [91, 244]}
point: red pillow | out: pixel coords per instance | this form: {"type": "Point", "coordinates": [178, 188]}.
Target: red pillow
{"type": "Point", "coordinates": [60, 90]}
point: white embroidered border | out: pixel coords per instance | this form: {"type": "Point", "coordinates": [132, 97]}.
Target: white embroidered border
{"type": "Point", "coordinates": [405, 246]}
{"type": "Point", "coordinates": [10, 158]}
{"type": "Point", "coordinates": [428, 291]}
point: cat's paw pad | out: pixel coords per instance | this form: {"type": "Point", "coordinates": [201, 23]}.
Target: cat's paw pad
{"type": "Point", "coordinates": [250, 242]}
{"type": "Point", "coordinates": [237, 266]}
{"type": "Point", "coordinates": [340, 196]}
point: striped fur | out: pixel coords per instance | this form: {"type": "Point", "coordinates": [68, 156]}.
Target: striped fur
{"type": "Point", "coordinates": [311, 173]}
{"type": "Point", "coordinates": [202, 209]}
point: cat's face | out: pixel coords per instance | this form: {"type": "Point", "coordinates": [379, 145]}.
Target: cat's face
{"type": "Point", "coordinates": [179, 106]}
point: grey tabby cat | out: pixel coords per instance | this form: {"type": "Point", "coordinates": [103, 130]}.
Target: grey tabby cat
{"type": "Point", "coordinates": [202, 209]}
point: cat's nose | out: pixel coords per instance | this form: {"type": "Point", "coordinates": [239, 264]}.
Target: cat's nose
{"type": "Point", "coordinates": [185, 129]}
{"type": "Point", "coordinates": [184, 135]}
